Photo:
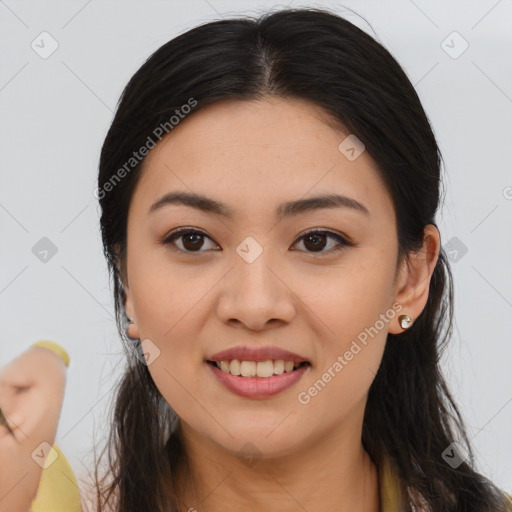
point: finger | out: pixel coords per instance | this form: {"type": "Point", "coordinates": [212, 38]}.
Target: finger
{"type": "Point", "coordinates": [3, 423]}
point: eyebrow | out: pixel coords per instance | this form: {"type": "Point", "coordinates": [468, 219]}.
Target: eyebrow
{"type": "Point", "coordinates": [285, 210]}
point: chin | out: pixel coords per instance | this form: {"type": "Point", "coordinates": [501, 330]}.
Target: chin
{"type": "Point", "coordinates": [258, 444]}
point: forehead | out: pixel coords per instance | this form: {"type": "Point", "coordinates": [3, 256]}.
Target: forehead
{"type": "Point", "coordinates": [255, 153]}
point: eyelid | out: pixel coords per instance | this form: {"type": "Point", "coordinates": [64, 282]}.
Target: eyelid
{"type": "Point", "coordinates": [342, 240]}
{"type": "Point", "coordinates": [173, 235]}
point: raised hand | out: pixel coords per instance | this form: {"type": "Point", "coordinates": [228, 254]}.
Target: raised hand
{"type": "Point", "coordinates": [31, 393]}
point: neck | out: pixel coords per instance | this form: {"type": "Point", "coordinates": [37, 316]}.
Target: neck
{"type": "Point", "coordinates": [332, 473]}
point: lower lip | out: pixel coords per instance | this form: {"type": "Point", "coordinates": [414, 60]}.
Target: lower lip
{"type": "Point", "coordinates": [258, 387]}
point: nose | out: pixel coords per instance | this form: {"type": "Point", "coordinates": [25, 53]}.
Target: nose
{"type": "Point", "coordinates": [256, 295]}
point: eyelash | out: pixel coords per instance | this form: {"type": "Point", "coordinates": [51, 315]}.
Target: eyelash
{"type": "Point", "coordinates": [342, 242]}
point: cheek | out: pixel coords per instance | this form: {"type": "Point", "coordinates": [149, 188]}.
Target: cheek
{"type": "Point", "coordinates": [348, 300]}
{"type": "Point", "coordinates": [350, 318]}
{"type": "Point", "coordinates": [182, 385]}
{"type": "Point", "coordinates": [348, 361]}
{"type": "Point", "coordinates": [337, 393]}
{"type": "Point", "coordinates": [165, 295]}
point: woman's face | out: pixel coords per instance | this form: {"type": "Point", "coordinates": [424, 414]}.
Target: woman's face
{"type": "Point", "coordinates": [249, 279]}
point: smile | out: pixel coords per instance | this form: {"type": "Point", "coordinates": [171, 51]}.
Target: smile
{"type": "Point", "coordinates": [261, 379]}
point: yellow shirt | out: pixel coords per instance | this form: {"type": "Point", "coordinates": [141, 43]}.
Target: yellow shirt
{"type": "Point", "coordinates": [58, 489]}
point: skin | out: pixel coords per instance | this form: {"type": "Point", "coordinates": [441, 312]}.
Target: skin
{"type": "Point", "coordinates": [254, 155]}
{"type": "Point", "coordinates": [31, 394]}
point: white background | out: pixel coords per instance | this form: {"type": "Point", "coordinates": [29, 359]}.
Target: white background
{"type": "Point", "coordinates": [55, 113]}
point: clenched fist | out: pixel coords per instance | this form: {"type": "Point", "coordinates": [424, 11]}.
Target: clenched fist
{"type": "Point", "coordinates": [31, 394]}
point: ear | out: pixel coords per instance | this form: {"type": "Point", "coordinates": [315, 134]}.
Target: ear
{"type": "Point", "coordinates": [133, 328]}
{"type": "Point", "coordinates": [413, 280]}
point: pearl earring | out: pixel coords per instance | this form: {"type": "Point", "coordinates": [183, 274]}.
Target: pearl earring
{"type": "Point", "coordinates": [404, 320]}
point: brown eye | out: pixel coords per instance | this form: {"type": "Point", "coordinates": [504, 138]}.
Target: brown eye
{"type": "Point", "coordinates": [191, 240]}
{"type": "Point", "coordinates": [316, 241]}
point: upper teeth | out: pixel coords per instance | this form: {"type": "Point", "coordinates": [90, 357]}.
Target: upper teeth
{"type": "Point", "coordinates": [259, 368]}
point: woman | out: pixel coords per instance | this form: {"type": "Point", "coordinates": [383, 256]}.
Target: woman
{"type": "Point", "coordinates": [268, 192]}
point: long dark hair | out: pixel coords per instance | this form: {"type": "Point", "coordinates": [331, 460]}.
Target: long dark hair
{"type": "Point", "coordinates": [312, 54]}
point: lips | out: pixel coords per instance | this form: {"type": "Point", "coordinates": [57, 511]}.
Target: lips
{"type": "Point", "coordinates": [245, 353]}
{"type": "Point", "coordinates": [258, 387]}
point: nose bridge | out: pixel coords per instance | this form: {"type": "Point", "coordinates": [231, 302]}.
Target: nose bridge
{"type": "Point", "coordinates": [252, 272]}
{"type": "Point", "coordinates": [253, 292]}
